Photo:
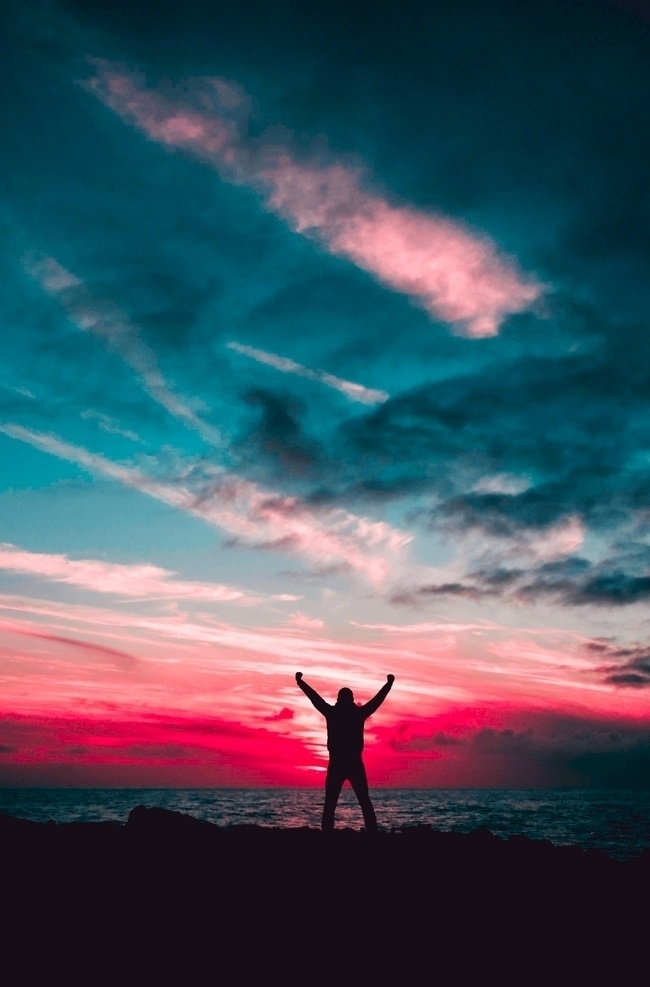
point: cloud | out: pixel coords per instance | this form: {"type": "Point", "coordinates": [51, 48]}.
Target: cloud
{"type": "Point", "coordinates": [583, 584]}
{"type": "Point", "coordinates": [277, 434]}
{"type": "Point", "coordinates": [303, 622]}
{"type": "Point", "coordinates": [275, 644]}
{"type": "Point", "coordinates": [252, 515]}
{"type": "Point", "coordinates": [455, 274]}
{"type": "Point", "coordinates": [284, 714]}
{"type": "Point", "coordinates": [426, 627]}
{"type": "Point", "coordinates": [330, 537]}
{"type": "Point", "coordinates": [527, 748]}
{"type": "Point", "coordinates": [568, 525]}
{"type": "Point", "coordinates": [24, 392]}
{"type": "Point", "coordinates": [108, 424]}
{"type": "Point", "coordinates": [356, 392]}
{"type": "Point", "coordinates": [486, 564]}
{"type": "Point", "coordinates": [103, 319]}
{"type": "Point", "coordinates": [572, 582]}
{"type": "Point", "coordinates": [460, 590]}
{"type": "Point", "coordinates": [141, 581]}
{"type": "Point", "coordinates": [532, 417]}
{"type": "Point", "coordinates": [150, 747]}
{"type": "Point", "coordinates": [630, 667]}
{"type": "Point", "coordinates": [114, 656]}
{"type": "Point", "coordinates": [532, 530]}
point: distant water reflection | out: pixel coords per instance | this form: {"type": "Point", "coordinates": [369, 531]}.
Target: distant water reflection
{"type": "Point", "coordinates": [618, 822]}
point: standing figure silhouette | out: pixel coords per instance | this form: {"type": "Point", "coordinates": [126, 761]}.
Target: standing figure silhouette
{"type": "Point", "coordinates": [345, 723]}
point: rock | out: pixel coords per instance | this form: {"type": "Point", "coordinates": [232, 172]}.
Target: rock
{"type": "Point", "coordinates": [164, 820]}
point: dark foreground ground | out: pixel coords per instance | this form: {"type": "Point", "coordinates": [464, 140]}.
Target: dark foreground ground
{"type": "Point", "coordinates": [166, 898]}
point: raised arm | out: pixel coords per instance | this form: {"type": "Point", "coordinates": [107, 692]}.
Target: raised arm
{"type": "Point", "coordinates": [373, 705]}
{"type": "Point", "coordinates": [313, 696]}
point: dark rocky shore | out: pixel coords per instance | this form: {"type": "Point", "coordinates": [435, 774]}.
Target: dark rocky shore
{"type": "Point", "coordinates": [167, 889]}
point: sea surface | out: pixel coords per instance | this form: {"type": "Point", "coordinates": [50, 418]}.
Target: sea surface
{"type": "Point", "coordinates": [615, 821]}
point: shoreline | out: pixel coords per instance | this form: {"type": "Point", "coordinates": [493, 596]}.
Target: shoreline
{"type": "Point", "coordinates": [168, 881]}
{"type": "Point", "coordinates": [158, 821]}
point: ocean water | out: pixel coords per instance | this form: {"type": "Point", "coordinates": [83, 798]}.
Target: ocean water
{"type": "Point", "coordinates": [615, 821]}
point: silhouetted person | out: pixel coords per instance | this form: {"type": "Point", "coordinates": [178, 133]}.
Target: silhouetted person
{"type": "Point", "coordinates": [345, 723]}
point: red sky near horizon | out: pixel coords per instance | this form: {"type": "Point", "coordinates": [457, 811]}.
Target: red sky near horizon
{"type": "Point", "coordinates": [472, 706]}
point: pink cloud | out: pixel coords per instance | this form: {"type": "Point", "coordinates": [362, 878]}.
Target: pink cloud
{"type": "Point", "coordinates": [144, 580]}
{"type": "Point", "coordinates": [302, 622]}
{"type": "Point", "coordinates": [197, 665]}
{"type": "Point", "coordinates": [355, 392]}
{"type": "Point", "coordinates": [120, 658]}
{"type": "Point", "coordinates": [456, 274]}
{"type": "Point", "coordinates": [330, 537]}
{"type": "Point", "coordinates": [449, 663]}
{"type": "Point", "coordinates": [170, 121]}
{"type": "Point", "coordinates": [427, 627]}
{"type": "Point", "coordinates": [258, 517]}
{"type": "Point", "coordinates": [562, 538]}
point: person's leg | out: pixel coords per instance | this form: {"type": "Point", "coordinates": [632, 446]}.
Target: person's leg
{"type": "Point", "coordinates": [333, 785]}
{"type": "Point", "coordinates": [359, 783]}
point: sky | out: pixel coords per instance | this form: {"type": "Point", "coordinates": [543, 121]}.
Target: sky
{"type": "Point", "coordinates": [325, 348]}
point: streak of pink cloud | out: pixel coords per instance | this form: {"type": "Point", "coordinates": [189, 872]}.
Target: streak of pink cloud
{"type": "Point", "coordinates": [121, 658]}
{"type": "Point", "coordinates": [144, 580]}
{"type": "Point", "coordinates": [170, 122]}
{"type": "Point", "coordinates": [195, 658]}
{"type": "Point", "coordinates": [459, 702]}
{"type": "Point", "coordinates": [304, 623]}
{"type": "Point", "coordinates": [353, 391]}
{"type": "Point", "coordinates": [258, 517]}
{"type": "Point", "coordinates": [332, 537]}
{"type": "Point", "coordinates": [456, 274]}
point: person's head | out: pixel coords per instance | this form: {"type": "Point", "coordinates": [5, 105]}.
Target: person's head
{"type": "Point", "coordinates": [345, 697]}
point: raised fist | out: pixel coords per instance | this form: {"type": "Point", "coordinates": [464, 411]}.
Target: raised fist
{"type": "Point", "coordinates": [391, 678]}
{"type": "Point", "coordinates": [298, 676]}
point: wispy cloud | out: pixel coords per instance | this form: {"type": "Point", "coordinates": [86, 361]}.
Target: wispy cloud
{"type": "Point", "coordinates": [529, 667]}
{"type": "Point", "coordinates": [631, 667]}
{"type": "Point", "coordinates": [428, 627]}
{"type": "Point", "coordinates": [304, 623]}
{"type": "Point", "coordinates": [501, 563]}
{"type": "Point", "coordinates": [108, 424]}
{"type": "Point", "coordinates": [262, 650]}
{"type": "Point", "coordinates": [258, 517]}
{"type": "Point", "coordinates": [23, 391]}
{"type": "Point", "coordinates": [120, 658]}
{"type": "Point", "coordinates": [356, 392]}
{"type": "Point", "coordinates": [456, 274]}
{"type": "Point", "coordinates": [102, 318]}
{"type": "Point", "coordinates": [142, 581]}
